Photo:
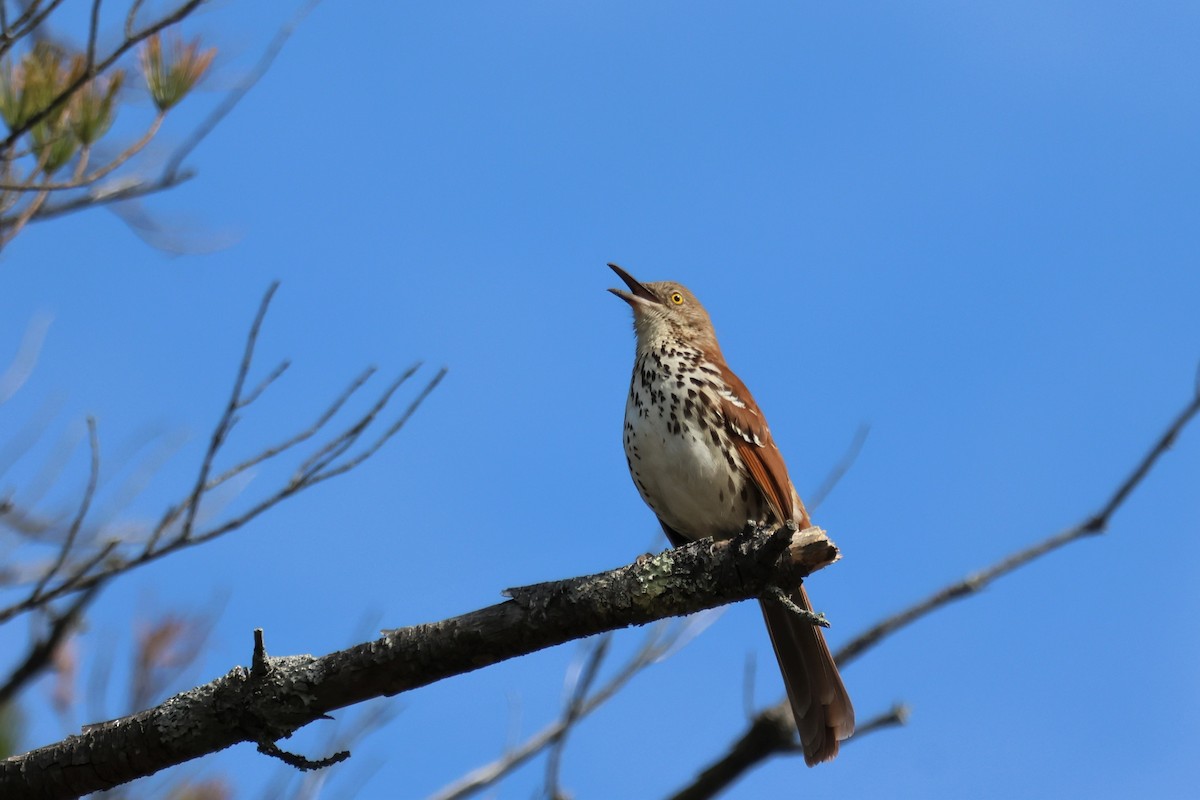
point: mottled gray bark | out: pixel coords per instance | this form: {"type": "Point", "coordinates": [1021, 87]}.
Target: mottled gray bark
{"type": "Point", "coordinates": [276, 696]}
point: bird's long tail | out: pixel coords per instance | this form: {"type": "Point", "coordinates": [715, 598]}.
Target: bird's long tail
{"type": "Point", "coordinates": [820, 703]}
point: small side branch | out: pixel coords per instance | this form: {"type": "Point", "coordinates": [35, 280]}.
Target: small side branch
{"type": "Point", "coordinates": [85, 503]}
{"type": "Point", "coordinates": [1090, 525]}
{"type": "Point", "coordinates": [298, 761]}
{"type": "Point", "coordinates": [658, 645]}
{"type": "Point", "coordinates": [771, 732]}
{"type": "Point", "coordinates": [41, 654]}
{"type": "Point", "coordinates": [182, 525]}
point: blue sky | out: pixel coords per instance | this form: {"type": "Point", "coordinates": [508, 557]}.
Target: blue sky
{"type": "Point", "coordinates": [970, 226]}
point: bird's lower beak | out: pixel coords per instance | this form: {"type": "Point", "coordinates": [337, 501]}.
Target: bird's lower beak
{"type": "Point", "coordinates": [638, 293]}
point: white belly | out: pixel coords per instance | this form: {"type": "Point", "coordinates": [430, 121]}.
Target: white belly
{"type": "Point", "coordinates": [682, 474]}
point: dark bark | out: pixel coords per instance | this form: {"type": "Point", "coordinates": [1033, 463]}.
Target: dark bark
{"type": "Point", "coordinates": [279, 695]}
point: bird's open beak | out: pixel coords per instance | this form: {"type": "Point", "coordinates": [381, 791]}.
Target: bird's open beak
{"type": "Point", "coordinates": [638, 292]}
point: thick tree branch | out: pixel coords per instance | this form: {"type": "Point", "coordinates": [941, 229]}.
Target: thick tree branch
{"type": "Point", "coordinates": [280, 695]}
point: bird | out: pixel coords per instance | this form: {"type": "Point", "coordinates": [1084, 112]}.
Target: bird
{"type": "Point", "coordinates": [703, 459]}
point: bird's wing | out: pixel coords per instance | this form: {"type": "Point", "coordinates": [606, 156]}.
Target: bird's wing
{"type": "Point", "coordinates": [752, 439]}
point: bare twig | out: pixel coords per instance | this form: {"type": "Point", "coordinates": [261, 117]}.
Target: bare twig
{"type": "Point", "coordinates": [338, 446]}
{"type": "Point", "coordinates": [298, 438]}
{"type": "Point", "coordinates": [32, 16]}
{"type": "Point", "coordinates": [9, 231]}
{"type": "Point", "coordinates": [182, 519]}
{"type": "Point", "coordinates": [660, 642]}
{"type": "Point", "coordinates": [771, 732]}
{"type": "Point", "coordinates": [85, 503]}
{"type": "Point", "coordinates": [573, 711]}
{"type": "Point", "coordinates": [93, 30]}
{"type": "Point", "coordinates": [325, 473]}
{"type": "Point", "coordinates": [841, 467]}
{"type": "Point", "coordinates": [41, 654]}
{"type": "Point", "coordinates": [171, 170]}
{"type": "Point", "coordinates": [894, 717]}
{"type": "Point", "coordinates": [1094, 524]}
{"type": "Point", "coordinates": [781, 597]}
{"type": "Point", "coordinates": [224, 425]}
{"type": "Point", "coordinates": [131, 17]}
{"type": "Point", "coordinates": [298, 761]}
{"type": "Point", "coordinates": [272, 376]}
{"type": "Point", "coordinates": [105, 194]}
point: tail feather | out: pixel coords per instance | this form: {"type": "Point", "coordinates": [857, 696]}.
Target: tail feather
{"type": "Point", "coordinates": [820, 703]}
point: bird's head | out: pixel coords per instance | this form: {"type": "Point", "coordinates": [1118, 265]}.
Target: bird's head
{"type": "Point", "coordinates": [665, 310]}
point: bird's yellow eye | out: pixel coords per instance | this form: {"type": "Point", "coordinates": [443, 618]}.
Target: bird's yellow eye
{"type": "Point", "coordinates": [677, 298]}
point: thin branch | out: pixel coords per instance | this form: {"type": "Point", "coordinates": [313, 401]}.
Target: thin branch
{"type": "Point", "coordinates": [12, 226]}
{"type": "Point", "coordinates": [171, 170]}
{"type": "Point", "coordinates": [41, 654]}
{"type": "Point", "coordinates": [772, 731]}
{"type": "Point", "coordinates": [894, 717]}
{"type": "Point", "coordinates": [338, 446]}
{"type": "Point", "coordinates": [660, 644]}
{"type": "Point", "coordinates": [391, 431]}
{"type": "Point", "coordinates": [777, 595]}
{"type": "Point", "coordinates": [372, 719]}
{"type": "Point", "coordinates": [85, 503]}
{"type": "Point", "coordinates": [27, 22]}
{"type": "Point", "coordinates": [298, 761]}
{"type": "Point", "coordinates": [80, 181]}
{"type": "Point", "coordinates": [227, 421]}
{"type": "Point", "coordinates": [841, 467]}
{"type": "Point", "coordinates": [182, 519]}
{"type": "Point", "coordinates": [298, 438]}
{"type": "Point", "coordinates": [173, 173]}
{"type": "Point", "coordinates": [573, 712]}
{"type": "Point", "coordinates": [49, 473]}
{"type": "Point", "coordinates": [272, 376]}
{"type": "Point", "coordinates": [93, 30]}
{"type": "Point", "coordinates": [117, 192]}
{"type": "Point", "coordinates": [131, 17]}
{"type": "Point", "coordinates": [159, 449]}
{"type": "Point", "coordinates": [180, 12]}
{"type": "Point", "coordinates": [81, 163]}
{"type": "Point", "coordinates": [10, 232]}
{"type": "Point", "coordinates": [73, 583]}
{"type": "Point", "coordinates": [1091, 525]}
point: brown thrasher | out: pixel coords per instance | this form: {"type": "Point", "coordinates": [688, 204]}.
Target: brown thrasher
{"type": "Point", "coordinates": [703, 459]}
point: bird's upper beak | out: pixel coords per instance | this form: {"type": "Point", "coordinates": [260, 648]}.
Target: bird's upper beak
{"type": "Point", "coordinates": [638, 293]}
